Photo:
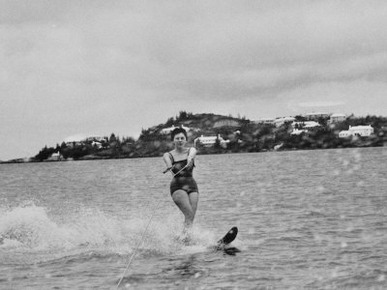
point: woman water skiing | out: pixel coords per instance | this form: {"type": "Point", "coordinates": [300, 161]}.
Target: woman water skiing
{"type": "Point", "coordinates": [183, 187]}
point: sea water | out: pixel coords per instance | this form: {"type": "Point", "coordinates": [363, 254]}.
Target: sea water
{"type": "Point", "coordinates": [306, 219]}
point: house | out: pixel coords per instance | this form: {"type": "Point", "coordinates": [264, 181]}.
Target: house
{"type": "Point", "coordinates": [305, 124]}
{"type": "Point", "coordinates": [362, 130]}
{"type": "Point", "coordinates": [96, 144]}
{"type": "Point", "coordinates": [264, 121]}
{"type": "Point", "coordinates": [96, 139]}
{"type": "Point", "coordinates": [298, 131]}
{"type": "Point", "coordinates": [345, 134]}
{"type": "Point", "coordinates": [316, 116]}
{"type": "Point", "coordinates": [170, 129]}
{"type": "Point", "coordinates": [226, 123]}
{"type": "Point", "coordinates": [56, 156]}
{"type": "Point", "coordinates": [209, 141]}
{"type": "Point", "coordinates": [280, 121]}
{"type": "Point", "coordinates": [73, 144]}
{"type": "Point", "coordinates": [335, 118]}
{"type": "Point", "coordinates": [301, 127]}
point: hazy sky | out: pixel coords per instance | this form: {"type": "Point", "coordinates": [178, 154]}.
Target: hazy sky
{"type": "Point", "coordinates": [93, 67]}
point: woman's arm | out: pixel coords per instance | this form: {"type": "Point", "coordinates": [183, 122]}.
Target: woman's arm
{"type": "Point", "coordinates": [191, 156]}
{"type": "Point", "coordinates": [167, 161]}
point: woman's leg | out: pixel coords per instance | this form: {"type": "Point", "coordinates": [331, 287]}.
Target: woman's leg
{"type": "Point", "coordinates": [183, 200]}
{"type": "Point", "coordinates": [193, 200]}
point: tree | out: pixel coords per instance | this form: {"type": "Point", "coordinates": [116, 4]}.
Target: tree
{"type": "Point", "coordinates": [323, 121]}
{"type": "Point", "coordinates": [112, 138]}
{"type": "Point", "coordinates": [182, 115]}
{"type": "Point", "coordinates": [170, 122]}
{"type": "Point", "coordinates": [57, 149]}
{"type": "Point", "coordinates": [299, 118]}
{"type": "Point", "coordinates": [45, 153]}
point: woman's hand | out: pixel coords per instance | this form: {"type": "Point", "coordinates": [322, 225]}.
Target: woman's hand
{"type": "Point", "coordinates": [191, 157]}
{"type": "Point", "coordinates": [190, 164]}
{"type": "Point", "coordinates": [168, 169]}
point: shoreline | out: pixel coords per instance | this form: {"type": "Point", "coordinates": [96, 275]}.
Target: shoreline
{"type": "Point", "coordinates": [96, 158]}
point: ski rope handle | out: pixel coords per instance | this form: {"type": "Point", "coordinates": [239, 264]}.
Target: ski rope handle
{"type": "Point", "coordinates": [174, 174]}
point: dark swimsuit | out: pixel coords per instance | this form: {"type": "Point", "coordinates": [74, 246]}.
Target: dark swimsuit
{"type": "Point", "coordinates": [184, 180]}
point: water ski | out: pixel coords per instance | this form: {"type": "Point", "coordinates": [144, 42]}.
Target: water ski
{"type": "Point", "coordinates": [226, 240]}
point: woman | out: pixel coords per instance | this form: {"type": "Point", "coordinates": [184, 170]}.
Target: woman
{"type": "Point", "coordinates": [180, 162]}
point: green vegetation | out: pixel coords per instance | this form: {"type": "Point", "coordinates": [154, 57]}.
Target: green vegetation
{"type": "Point", "coordinates": [241, 134]}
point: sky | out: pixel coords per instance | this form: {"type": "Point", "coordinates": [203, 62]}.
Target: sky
{"type": "Point", "coordinates": [95, 67]}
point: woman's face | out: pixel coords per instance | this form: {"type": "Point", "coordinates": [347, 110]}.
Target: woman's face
{"type": "Point", "coordinates": [180, 140]}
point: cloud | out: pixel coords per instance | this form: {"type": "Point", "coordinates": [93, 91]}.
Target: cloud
{"type": "Point", "coordinates": [207, 49]}
{"type": "Point", "coordinates": [102, 67]}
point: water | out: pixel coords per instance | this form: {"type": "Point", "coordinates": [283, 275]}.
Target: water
{"type": "Point", "coordinates": [307, 220]}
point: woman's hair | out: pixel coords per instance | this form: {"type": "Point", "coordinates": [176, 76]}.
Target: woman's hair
{"type": "Point", "coordinates": [178, 131]}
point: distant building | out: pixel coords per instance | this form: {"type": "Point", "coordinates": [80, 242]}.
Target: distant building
{"type": "Point", "coordinates": [170, 129]}
{"type": "Point", "coordinates": [280, 121]}
{"type": "Point", "coordinates": [96, 144]}
{"type": "Point", "coordinates": [96, 139]}
{"type": "Point", "coordinates": [305, 124]}
{"type": "Point", "coordinates": [316, 116]}
{"type": "Point", "coordinates": [335, 118]}
{"type": "Point", "coordinates": [209, 141]}
{"type": "Point", "coordinates": [363, 130]}
{"type": "Point", "coordinates": [301, 127]}
{"type": "Point", "coordinates": [345, 134]}
{"type": "Point", "coordinates": [226, 123]}
{"type": "Point", "coordinates": [298, 131]}
{"type": "Point", "coordinates": [264, 121]}
{"type": "Point", "coordinates": [72, 144]}
{"type": "Point", "coordinates": [55, 157]}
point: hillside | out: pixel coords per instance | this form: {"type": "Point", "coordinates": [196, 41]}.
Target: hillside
{"type": "Point", "coordinates": [237, 134]}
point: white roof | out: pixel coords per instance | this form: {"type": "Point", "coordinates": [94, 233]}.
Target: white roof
{"type": "Point", "coordinates": [307, 124]}
{"type": "Point", "coordinates": [298, 132]}
{"type": "Point", "coordinates": [173, 127]}
{"type": "Point", "coordinates": [284, 119]}
{"type": "Point", "coordinates": [310, 124]}
{"type": "Point", "coordinates": [360, 127]}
